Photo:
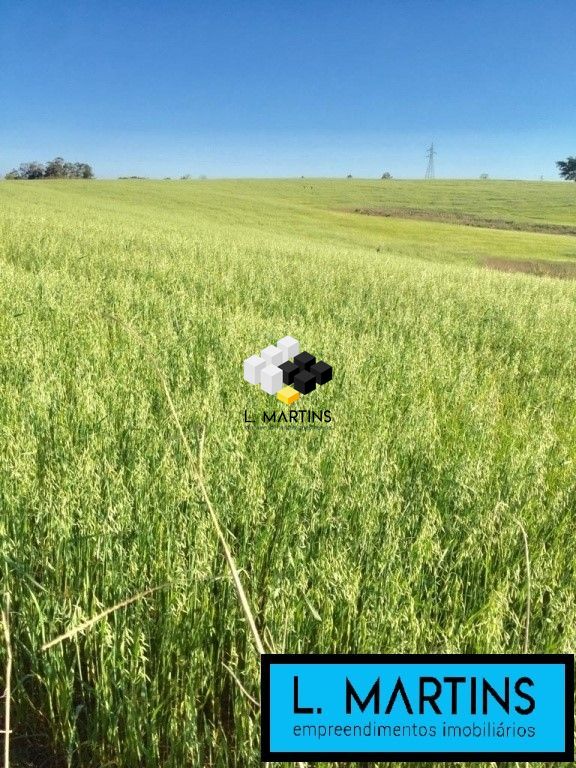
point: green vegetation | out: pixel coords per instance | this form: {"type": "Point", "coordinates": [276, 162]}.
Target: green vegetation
{"type": "Point", "coordinates": [567, 168]}
{"type": "Point", "coordinates": [54, 169]}
{"type": "Point", "coordinates": [398, 529]}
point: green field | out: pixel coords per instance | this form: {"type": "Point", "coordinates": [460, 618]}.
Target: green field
{"type": "Point", "coordinates": [398, 529]}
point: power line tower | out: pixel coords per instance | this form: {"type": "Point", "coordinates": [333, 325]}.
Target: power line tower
{"type": "Point", "coordinates": [430, 155]}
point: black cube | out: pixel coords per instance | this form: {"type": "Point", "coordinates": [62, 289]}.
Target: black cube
{"type": "Point", "coordinates": [289, 370]}
{"type": "Point", "coordinates": [304, 360]}
{"type": "Point", "coordinates": [322, 371]}
{"type": "Point", "coordinates": [304, 382]}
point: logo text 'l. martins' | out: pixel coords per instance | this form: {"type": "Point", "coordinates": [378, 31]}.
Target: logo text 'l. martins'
{"type": "Point", "coordinates": [292, 417]}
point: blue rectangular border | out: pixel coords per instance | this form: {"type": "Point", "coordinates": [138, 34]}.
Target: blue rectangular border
{"type": "Point", "coordinates": [566, 660]}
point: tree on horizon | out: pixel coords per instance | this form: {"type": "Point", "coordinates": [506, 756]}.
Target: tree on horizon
{"type": "Point", "coordinates": [53, 169]}
{"type": "Point", "coordinates": [567, 168]}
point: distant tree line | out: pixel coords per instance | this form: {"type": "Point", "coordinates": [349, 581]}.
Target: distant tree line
{"type": "Point", "coordinates": [54, 169]}
{"type": "Point", "coordinates": [567, 168]}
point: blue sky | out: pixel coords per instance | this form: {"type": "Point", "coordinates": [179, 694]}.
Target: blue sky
{"type": "Point", "coordinates": [290, 88]}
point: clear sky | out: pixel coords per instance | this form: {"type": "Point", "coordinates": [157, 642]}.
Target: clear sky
{"type": "Point", "coordinates": [289, 88]}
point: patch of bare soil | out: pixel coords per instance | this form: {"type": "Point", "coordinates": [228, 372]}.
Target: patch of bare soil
{"type": "Point", "coordinates": [563, 270]}
{"type": "Point", "coordinates": [466, 219]}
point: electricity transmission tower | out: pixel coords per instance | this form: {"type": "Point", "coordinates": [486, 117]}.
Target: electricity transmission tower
{"type": "Point", "coordinates": [430, 155]}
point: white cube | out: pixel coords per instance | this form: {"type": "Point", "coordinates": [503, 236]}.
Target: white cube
{"type": "Point", "coordinates": [253, 368]}
{"type": "Point", "coordinates": [274, 355]}
{"type": "Point", "coordinates": [290, 344]}
{"type": "Point", "coordinates": [271, 379]}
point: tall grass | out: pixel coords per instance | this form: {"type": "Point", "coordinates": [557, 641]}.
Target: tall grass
{"type": "Point", "coordinates": [398, 530]}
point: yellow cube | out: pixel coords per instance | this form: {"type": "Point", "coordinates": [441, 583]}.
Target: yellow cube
{"type": "Point", "coordinates": [288, 395]}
